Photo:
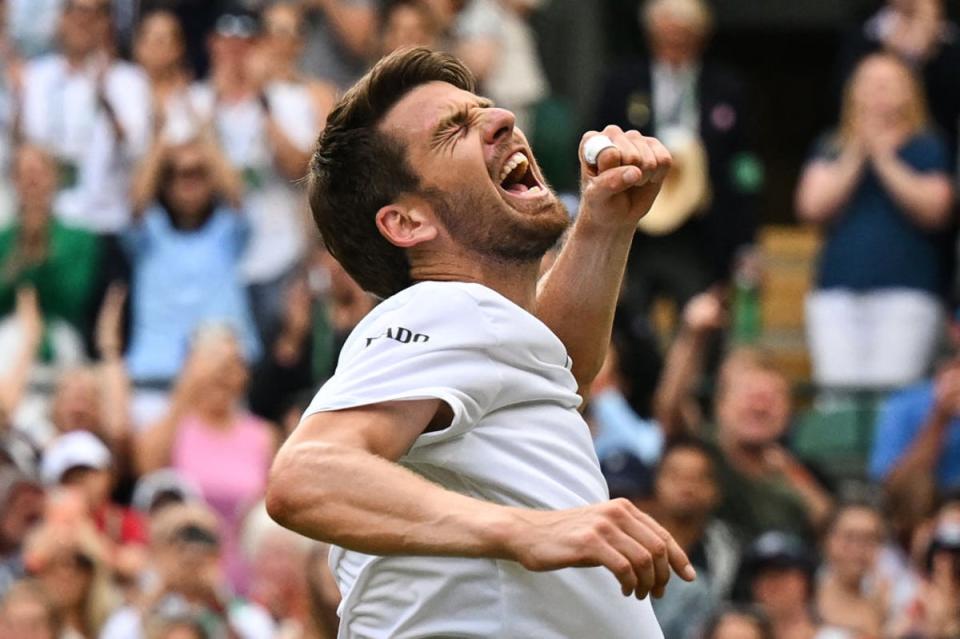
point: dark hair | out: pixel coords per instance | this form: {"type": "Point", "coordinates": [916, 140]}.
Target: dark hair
{"type": "Point", "coordinates": [358, 169]}
{"type": "Point", "coordinates": [860, 503]}
{"type": "Point", "coordinates": [754, 613]}
{"type": "Point", "coordinates": [687, 442]}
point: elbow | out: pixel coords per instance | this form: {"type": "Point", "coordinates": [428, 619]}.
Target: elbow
{"type": "Point", "coordinates": [280, 496]}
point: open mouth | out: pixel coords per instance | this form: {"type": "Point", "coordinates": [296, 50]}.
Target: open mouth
{"type": "Point", "coordinates": [517, 177]}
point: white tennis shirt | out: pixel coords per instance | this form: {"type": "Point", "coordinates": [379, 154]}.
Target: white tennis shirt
{"type": "Point", "coordinates": [516, 439]}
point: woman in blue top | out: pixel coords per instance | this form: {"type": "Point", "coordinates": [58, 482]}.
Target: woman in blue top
{"type": "Point", "coordinates": [879, 189]}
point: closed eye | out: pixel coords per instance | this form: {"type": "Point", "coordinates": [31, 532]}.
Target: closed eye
{"type": "Point", "coordinates": [455, 126]}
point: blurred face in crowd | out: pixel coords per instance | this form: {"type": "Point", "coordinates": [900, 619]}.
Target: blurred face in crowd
{"type": "Point", "coordinates": [477, 174]}
{"type": "Point", "coordinates": [753, 407]}
{"type": "Point", "coordinates": [35, 179]}
{"type": "Point", "coordinates": [283, 32]}
{"type": "Point", "coordinates": [852, 543]}
{"type": "Point", "coordinates": [230, 53]}
{"type": "Point", "coordinates": [676, 34]}
{"type": "Point", "coordinates": [188, 559]}
{"type": "Point", "coordinates": [780, 590]}
{"type": "Point", "coordinates": [67, 575]}
{"type": "Point", "coordinates": [76, 401]}
{"type": "Point", "coordinates": [24, 614]}
{"type": "Point", "coordinates": [685, 487]}
{"type": "Point", "coordinates": [223, 372]}
{"type": "Point", "coordinates": [737, 626]}
{"type": "Point", "coordinates": [279, 581]}
{"type": "Point", "coordinates": [188, 189]}
{"type": "Point", "coordinates": [19, 512]}
{"type": "Point", "coordinates": [408, 25]}
{"type": "Point", "coordinates": [92, 483]}
{"type": "Point", "coordinates": [159, 44]}
{"type": "Point", "coordinates": [882, 92]}
{"type": "Point", "coordinates": [84, 26]}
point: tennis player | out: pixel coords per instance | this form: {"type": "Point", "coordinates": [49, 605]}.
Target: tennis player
{"type": "Point", "coordinates": [446, 459]}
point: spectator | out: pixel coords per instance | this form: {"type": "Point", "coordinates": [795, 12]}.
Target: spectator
{"type": "Point", "coordinates": [21, 508]}
{"type": "Point", "coordinates": [286, 369]}
{"type": "Point", "coordinates": [879, 188]}
{"type": "Point", "coordinates": [919, 33]}
{"type": "Point", "coordinates": [211, 440]}
{"type": "Point", "coordinates": [342, 305]}
{"type": "Point", "coordinates": [698, 108]}
{"type": "Point", "coordinates": [81, 461]}
{"type": "Point", "coordinates": [186, 249]}
{"type": "Point", "coordinates": [617, 427]}
{"type": "Point", "coordinates": [266, 117]}
{"type": "Point", "coordinates": [849, 593]}
{"type": "Point", "coordinates": [160, 50]}
{"type": "Point", "coordinates": [93, 113]}
{"type": "Point", "coordinates": [685, 495]}
{"type": "Point", "coordinates": [187, 581]}
{"type": "Point", "coordinates": [407, 23]}
{"type": "Point", "coordinates": [777, 572]}
{"type": "Point", "coordinates": [285, 576]}
{"type": "Point", "coordinates": [339, 36]}
{"type": "Point", "coordinates": [763, 485]}
{"type": "Point", "coordinates": [739, 623]}
{"type": "Point", "coordinates": [515, 79]}
{"type": "Point", "coordinates": [61, 262]}
{"type": "Point", "coordinates": [27, 612]}
{"type": "Point", "coordinates": [70, 560]}
{"type": "Point", "coordinates": [28, 329]}
{"type": "Point", "coordinates": [935, 611]}
{"type": "Point", "coordinates": [161, 488]}
{"type": "Point", "coordinates": [916, 447]}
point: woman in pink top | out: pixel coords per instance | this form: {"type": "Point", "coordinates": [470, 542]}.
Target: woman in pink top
{"type": "Point", "coordinates": [209, 437]}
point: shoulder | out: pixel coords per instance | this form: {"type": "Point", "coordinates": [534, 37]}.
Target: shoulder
{"type": "Point", "coordinates": [445, 312]}
{"type": "Point", "coordinates": [918, 396]}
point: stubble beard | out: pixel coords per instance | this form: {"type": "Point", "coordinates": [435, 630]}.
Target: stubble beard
{"type": "Point", "coordinates": [496, 231]}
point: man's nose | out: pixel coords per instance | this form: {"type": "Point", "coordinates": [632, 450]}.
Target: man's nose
{"type": "Point", "coordinates": [497, 125]}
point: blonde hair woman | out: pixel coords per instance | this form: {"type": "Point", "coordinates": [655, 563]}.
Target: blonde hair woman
{"type": "Point", "coordinates": [879, 189]}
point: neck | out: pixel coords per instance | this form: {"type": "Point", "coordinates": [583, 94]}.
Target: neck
{"type": "Point", "coordinates": [76, 59]}
{"type": "Point", "coordinates": [834, 583]}
{"type": "Point", "coordinates": [515, 281]}
{"type": "Point", "coordinates": [164, 77]}
{"type": "Point", "coordinates": [746, 459]}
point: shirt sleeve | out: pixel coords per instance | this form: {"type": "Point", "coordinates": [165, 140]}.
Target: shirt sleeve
{"type": "Point", "coordinates": [897, 425]}
{"type": "Point", "coordinates": [429, 347]}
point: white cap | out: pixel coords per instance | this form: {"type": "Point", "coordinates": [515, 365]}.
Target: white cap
{"type": "Point", "coordinates": [74, 449]}
{"type": "Point", "coordinates": [165, 480]}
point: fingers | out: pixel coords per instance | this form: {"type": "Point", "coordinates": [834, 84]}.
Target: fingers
{"type": "Point", "coordinates": [655, 552]}
{"type": "Point", "coordinates": [676, 557]}
{"type": "Point", "coordinates": [631, 148]}
{"type": "Point", "coordinates": [646, 575]}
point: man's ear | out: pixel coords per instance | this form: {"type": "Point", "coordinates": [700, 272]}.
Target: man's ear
{"type": "Point", "coordinates": [406, 223]}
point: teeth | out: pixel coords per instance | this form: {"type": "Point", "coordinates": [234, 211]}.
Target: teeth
{"type": "Point", "coordinates": [515, 160]}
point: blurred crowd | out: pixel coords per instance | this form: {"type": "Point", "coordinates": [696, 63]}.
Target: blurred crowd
{"type": "Point", "coordinates": [167, 310]}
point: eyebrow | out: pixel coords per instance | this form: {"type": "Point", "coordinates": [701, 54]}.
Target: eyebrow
{"type": "Point", "coordinates": [457, 112]}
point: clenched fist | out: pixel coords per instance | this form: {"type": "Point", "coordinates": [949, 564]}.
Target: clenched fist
{"type": "Point", "coordinates": [615, 534]}
{"type": "Point", "coordinates": [621, 188]}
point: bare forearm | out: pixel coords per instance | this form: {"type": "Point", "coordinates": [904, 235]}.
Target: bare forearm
{"type": "Point", "coordinates": [357, 500]}
{"type": "Point", "coordinates": [146, 179]}
{"type": "Point", "coordinates": [116, 398]}
{"type": "Point", "coordinates": [682, 369]}
{"type": "Point", "coordinates": [291, 161]}
{"type": "Point", "coordinates": [918, 462]}
{"type": "Point", "coordinates": [578, 296]}
{"type": "Point", "coordinates": [154, 447]}
{"type": "Point", "coordinates": [925, 198]}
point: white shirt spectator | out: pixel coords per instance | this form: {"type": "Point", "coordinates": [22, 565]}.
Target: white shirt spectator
{"type": "Point", "coordinates": [248, 621]}
{"type": "Point", "coordinates": [516, 439]}
{"type": "Point", "coordinates": [61, 113]}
